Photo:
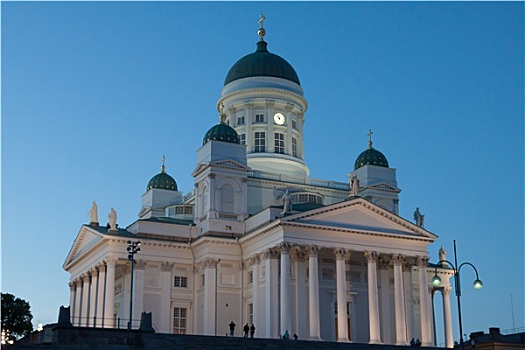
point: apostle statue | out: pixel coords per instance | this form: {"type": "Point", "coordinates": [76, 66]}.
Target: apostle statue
{"type": "Point", "coordinates": [354, 185]}
{"type": "Point", "coordinates": [442, 254]}
{"type": "Point", "coordinates": [419, 218]}
{"type": "Point", "coordinates": [112, 217]}
{"type": "Point", "coordinates": [287, 203]}
{"type": "Point", "coordinates": [93, 214]}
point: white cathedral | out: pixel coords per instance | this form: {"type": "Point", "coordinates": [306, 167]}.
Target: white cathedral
{"type": "Point", "coordinates": [257, 241]}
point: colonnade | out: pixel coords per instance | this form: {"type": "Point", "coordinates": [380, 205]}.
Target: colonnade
{"type": "Point", "coordinates": [92, 296]}
{"type": "Point", "coordinates": [403, 295]}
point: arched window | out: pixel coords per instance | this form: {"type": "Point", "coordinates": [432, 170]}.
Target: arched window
{"type": "Point", "coordinates": [227, 198]}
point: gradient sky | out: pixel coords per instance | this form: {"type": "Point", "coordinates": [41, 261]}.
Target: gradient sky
{"type": "Point", "coordinates": [94, 93]}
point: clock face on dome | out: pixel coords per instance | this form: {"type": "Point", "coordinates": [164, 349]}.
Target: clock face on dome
{"type": "Point", "coordinates": [279, 118]}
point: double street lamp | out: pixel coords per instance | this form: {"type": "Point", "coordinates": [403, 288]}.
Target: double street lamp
{"type": "Point", "coordinates": [436, 281]}
{"type": "Point", "coordinates": [133, 248]}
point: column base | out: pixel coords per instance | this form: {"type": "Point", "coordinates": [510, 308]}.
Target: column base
{"type": "Point", "coordinates": [343, 340]}
{"type": "Point", "coordinates": [403, 343]}
{"type": "Point", "coordinates": [375, 341]}
{"type": "Point", "coordinates": [315, 338]}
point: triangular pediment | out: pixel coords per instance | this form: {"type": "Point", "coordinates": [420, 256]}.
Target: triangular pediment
{"type": "Point", "coordinates": [358, 215]}
{"type": "Point", "coordinates": [383, 187]}
{"type": "Point", "coordinates": [229, 164]}
{"type": "Point", "coordinates": [86, 239]}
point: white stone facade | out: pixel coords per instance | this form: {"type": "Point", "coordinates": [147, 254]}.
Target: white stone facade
{"type": "Point", "coordinates": [333, 267]}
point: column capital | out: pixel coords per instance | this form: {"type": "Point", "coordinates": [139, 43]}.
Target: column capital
{"type": "Point", "coordinates": [285, 248]}
{"type": "Point", "coordinates": [422, 261]}
{"type": "Point", "coordinates": [110, 261]}
{"type": "Point", "coordinates": [271, 253]}
{"type": "Point", "coordinates": [210, 263]}
{"type": "Point", "coordinates": [340, 253]}
{"type": "Point", "coordinates": [270, 103]}
{"type": "Point", "coordinates": [312, 251]}
{"type": "Point", "coordinates": [141, 264]}
{"type": "Point", "coordinates": [300, 254]}
{"type": "Point", "coordinates": [254, 260]}
{"type": "Point", "coordinates": [166, 266]}
{"type": "Point", "coordinates": [398, 259]}
{"type": "Point", "coordinates": [446, 291]}
{"type": "Point", "coordinates": [384, 262]}
{"type": "Point", "coordinates": [371, 256]}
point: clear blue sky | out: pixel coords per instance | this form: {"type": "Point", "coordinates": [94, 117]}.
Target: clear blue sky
{"type": "Point", "coordinates": [94, 93]}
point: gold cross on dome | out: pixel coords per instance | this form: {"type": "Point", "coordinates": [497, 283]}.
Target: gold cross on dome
{"type": "Point", "coordinates": [370, 132]}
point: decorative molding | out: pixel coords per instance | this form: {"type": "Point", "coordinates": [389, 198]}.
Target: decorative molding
{"type": "Point", "coordinates": [384, 262]}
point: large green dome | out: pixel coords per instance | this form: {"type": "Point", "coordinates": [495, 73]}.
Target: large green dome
{"type": "Point", "coordinates": [262, 63]}
{"type": "Point", "coordinates": [162, 181]}
{"type": "Point", "coordinates": [221, 132]}
{"type": "Point", "coordinates": [371, 156]}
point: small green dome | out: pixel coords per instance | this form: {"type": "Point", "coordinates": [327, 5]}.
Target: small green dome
{"type": "Point", "coordinates": [221, 132]}
{"type": "Point", "coordinates": [262, 63]}
{"type": "Point", "coordinates": [371, 156]}
{"type": "Point", "coordinates": [162, 181]}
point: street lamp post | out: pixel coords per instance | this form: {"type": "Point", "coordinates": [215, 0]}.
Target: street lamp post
{"type": "Point", "coordinates": [133, 248]}
{"type": "Point", "coordinates": [436, 281]}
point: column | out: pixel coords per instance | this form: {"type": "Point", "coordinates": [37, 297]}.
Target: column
{"type": "Point", "coordinates": [165, 298]}
{"type": "Point", "coordinates": [210, 296]}
{"type": "Point", "coordinates": [271, 293]}
{"type": "Point", "coordinates": [424, 304]}
{"type": "Point", "coordinates": [342, 318]}
{"type": "Point", "coordinates": [100, 294]}
{"type": "Point", "coordinates": [386, 308]}
{"type": "Point", "coordinates": [373, 299]}
{"type": "Point", "coordinates": [299, 302]}
{"type": "Point", "coordinates": [313, 295]}
{"type": "Point", "coordinates": [248, 117]}
{"type": "Point", "coordinates": [409, 300]}
{"type": "Point", "coordinates": [270, 137]}
{"type": "Point", "coordinates": [138, 292]}
{"type": "Point", "coordinates": [289, 131]}
{"type": "Point", "coordinates": [285, 287]}
{"type": "Point", "coordinates": [399, 301]}
{"type": "Point", "coordinates": [78, 302]}
{"type": "Point", "coordinates": [93, 297]}
{"type": "Point", "coordinates": [109, 293]}
{"type": "Point", "coordinates": [85, 299]}
{"type": "Point", "coordinates": [447, 316]}
{"type": "Point", "coordinates": [255, 288]}
{"type": "Point", "coordinates": [72, 298]}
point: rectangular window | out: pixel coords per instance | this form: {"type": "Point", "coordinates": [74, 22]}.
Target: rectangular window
{"type": "Point", "coordinates": [259, 142]}
{"type": "Point", "coordinates": [279, 143]}
{"type": "Point", "coordinates": [294, 124]}
{"type": "Point", "coordinates": [181, 282]}
{"type": "Point", "coordinates": [259, 118]}
{"type": "Point", "coordinates": [294, 146]}
{"type": "Point", "coordinates": [240, 120]}
{"type": "Point", "coordinates": [250, 313]}
{"type": "Point", "coordinates": [203, 280]}
{"type": "Point", "coordinates": [179, 320]}
{"type": "Point", "coordinates": [188, 210]}
{"type": "Point", "coordinates": [250, 277]}
{"type": "Point", "coordinates": [242, 139]}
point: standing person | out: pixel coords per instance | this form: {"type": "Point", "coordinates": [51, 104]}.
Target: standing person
{"type": "Point", "coordinates": [246, 329]}
{"type": "Point", "coordinates": [232, 328]}
{"type": "Point", "coordinates": [286, 335]}
{"type": "Point", "coordinates": [252, 331]}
